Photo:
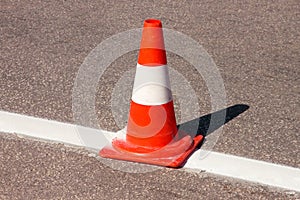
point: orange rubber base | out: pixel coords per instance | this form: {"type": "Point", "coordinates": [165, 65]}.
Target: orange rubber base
{"type": "Point", "coordinates": [172, 155]}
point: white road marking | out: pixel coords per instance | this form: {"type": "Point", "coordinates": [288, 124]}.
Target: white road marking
{"type": "Point", "coordinates": [53, 130]}
{"type": "Point", "coordinates": [217, 163]}
{"type": "Point", "coordinates": [247, 169]}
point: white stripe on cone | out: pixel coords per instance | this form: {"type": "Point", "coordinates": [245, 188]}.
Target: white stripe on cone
{"type": "Point", "coordinates": [152, 85]}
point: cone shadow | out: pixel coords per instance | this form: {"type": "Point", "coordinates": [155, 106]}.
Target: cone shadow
{"type": "Point", "coordinates": [204, 126]}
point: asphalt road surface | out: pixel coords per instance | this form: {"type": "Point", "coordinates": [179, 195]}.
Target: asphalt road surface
{"type": "Point", "coordinates": [255, 46]}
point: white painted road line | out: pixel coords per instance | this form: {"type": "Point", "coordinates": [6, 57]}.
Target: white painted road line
{"type": "Point", "coordinates": [53, 130]}
{"type": "Point", "coordinates": [247, 169]}
{"type": "Point", "coordinates": [217, 163]}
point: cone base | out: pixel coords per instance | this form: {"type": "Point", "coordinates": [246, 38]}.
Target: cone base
{"type": "Point", "coordinates": [172, 155]}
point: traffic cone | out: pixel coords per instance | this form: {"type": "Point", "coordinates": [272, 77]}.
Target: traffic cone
{"type": "Point", "coordinates": [152, 136]}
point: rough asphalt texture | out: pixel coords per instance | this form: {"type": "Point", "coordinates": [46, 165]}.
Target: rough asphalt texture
{"type": "Point", "coordinates": [42, 45]}
{"type": "Point", "coordinates": [37, 170]}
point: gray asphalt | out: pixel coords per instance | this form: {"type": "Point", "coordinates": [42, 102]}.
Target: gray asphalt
{"type": "Point", "coordinates": [254, 44]}
{"type": "Point", "coordinates": [38, 170]}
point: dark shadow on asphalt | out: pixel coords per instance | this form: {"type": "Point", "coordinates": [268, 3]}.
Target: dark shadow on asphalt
{"type": "Point", "coordinates": [207, 124]}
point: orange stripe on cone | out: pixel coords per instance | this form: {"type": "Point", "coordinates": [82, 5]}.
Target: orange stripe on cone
{"type": "Point", "coordinates": [152, 136]}
{"type": "Point", "coordinates": [150, 127]}
{"type": "Point", "coordinates": [152, 49]}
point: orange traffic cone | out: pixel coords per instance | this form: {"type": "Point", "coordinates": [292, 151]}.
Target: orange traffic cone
{"type": "Point", "coordinates": [152, 136]}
